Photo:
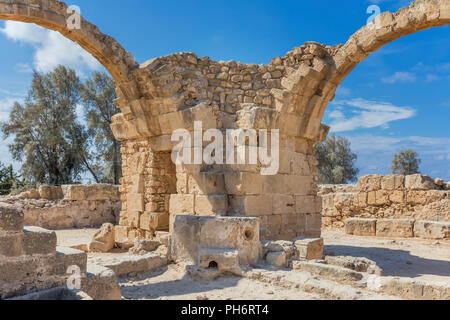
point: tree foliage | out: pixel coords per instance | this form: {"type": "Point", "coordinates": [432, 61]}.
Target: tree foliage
{"type": "Point", "coordinates": [53, 146]}
{"type": "Point", "coordinates": [406, 162]}
{"type": "Point", "coordinates": [98, 95]}
{"type": "Point", "coordinates": [47, 136]}
{"type": "Point", "coordinates": [8, 179]}
{"type": "Point", "coordinates": [336, 161]}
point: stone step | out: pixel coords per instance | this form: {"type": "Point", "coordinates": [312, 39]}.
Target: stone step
{"type": "Point", "coordinates": [38, 241]}
{"type": "Point", "coordinates": [125, 264]}
{"type": "Point", "coordinates": [330, 272]}
{"type": "Point", "coordinates": [54, 294]}
{"type": "Point", "coordinates": [32, 241]}
{"type": "Point", "coordinates": [101, 283]}
{"type": "Point", "coordinates": [24, 274]}
{"type": "Point", "coordinates": [310, 283]}
{"type": "Point", "coordinates": [11, 218]}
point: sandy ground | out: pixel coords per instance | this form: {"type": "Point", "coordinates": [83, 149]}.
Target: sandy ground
{"type": "Point", "coordinates": [171, 283]}
{"type": "Point", "coordinates": [73, 237]}
{"type": "Point", "coordinates": [414, 258]}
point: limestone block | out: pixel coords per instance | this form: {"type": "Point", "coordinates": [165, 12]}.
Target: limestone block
{"type": "Point", "coordinates": [142, 247]}
{"type": "Point", "coordinates": [253, 117]}
{"type": "Point", "coordinates": [34, 273]}
{"type": "Point", "coordinates": [283, 204]}
{"type": "Point", "coordinates": [191, 234]}
{"type": "Point", "coordinates": [135, 202]}
{"type": "Point", "coordinates": [50, 192]}
{"type": "Point", "coordinates": [309, 248]}
{"type": "Point", "coordinates": [38, 241]}
{"type": "Point", "coordinates": [206, 205]}
{"type": "Point", "coordinates": [402, 228]}
{"type": "Point", "coordinates": [277, 259]}
{"type": "Point", "coordinates": [416, 197]}
{"type": "Point", "coordinates": [439, 182]}
{"type": "Point", "coordinates": [74, 192]}
{"type": "Point", "coordinates": [361, 227]}
{"type": "Point", "coordinates": [11, 244]}
{"type": "Point", "coordinates": [243, 183]}
{"type": "Point", "coordinates": [397, 196]}
{"type": "Point", "coordinates": [257, 205]}
{"type": "Point", "coordinates": [372, 198]}
{"type": "Point", "coordinates": [104, 239]}
{"type": "Point", "coordinates": [432, 230]}
{"type": "Point", "coordinates": [92, 192]}
{"type": "Point", "coordinates": [361, 199]}
{"type": "Point", "coordinates": [221, 259]}
{"type": "Point", "coordinates": [127, 264]}
{"type": "Point", "coordinates": [11, 218]}
{"type": "Point", "coordinates": [206, 183]}
{"type": "Point", "coordinates": [273, 225]}
{"type": "Point", "coordinates": [381, 197]}
{"type": "Point", "coordinates": [313, 224]}
{"type": "Point", "coordinates": [101, 283]}
{"type": "Point", "coordinates": [137, 183]}
{"type": "Point", "coordinates": [134, 219]}
{"type": "Point", "coordinates": [154, 221]}
{"type": "Point", "coordinates": [307, 204]}
{"type": "Point", "coordinates": [419, 182]}
{"type": "Point", "coordinates": [33, 194]}
{"type": "Point", "coordinates": [121, 236]}
{"type": "Point", "coordinates": [181, 204]}
{"type": "Point", "coordinates": [334, 273]}
{"type": "Point", "coordinates": [370, 183]}
{"type": "Point", "coordinates": [300, 165]}
{"type": "Point", "coordinates": [343, 200]}
{"type": "Point", "coordinates": [279, 245]}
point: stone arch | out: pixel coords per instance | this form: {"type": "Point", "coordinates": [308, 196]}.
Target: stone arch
{"type": "Point", "coordinates": [53, 15]}
{"type": "Point", "coordinates": [387, 27]}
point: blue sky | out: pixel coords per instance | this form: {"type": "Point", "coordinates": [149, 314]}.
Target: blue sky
{"type": "Point", "coordinates": [398, 98]}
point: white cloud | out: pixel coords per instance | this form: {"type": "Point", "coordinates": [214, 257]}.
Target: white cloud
{"type": "Point", "coordinates": [431, 77]}
{"type": "Point", "coordinates": [431, 146]}
{"type": "Point", "coordinates": [366, 114]}
{"type": "Point", "coordinates": [51, 48]}
{"type": "Point", "coordinates": [24, 68]}
{"type": "Point", "coordinates": [343, 91]}
{"type": "Point", "coordinates": [400, 77]}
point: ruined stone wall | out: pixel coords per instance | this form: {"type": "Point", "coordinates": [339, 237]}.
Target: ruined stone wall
{"type": "Point", "coordinates": [149, 180]}
{"type": "Point", "coordinates": [415, 197]}
{"type": "Point", "coordinates": [172, 92]}
{"type": "Point", "coordinates": [181, 88]}
{"type": "Point", "coordinates": [68, 206]}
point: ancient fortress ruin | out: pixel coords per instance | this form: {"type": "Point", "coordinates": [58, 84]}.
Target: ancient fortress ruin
{"type": "Point", "coordinates": [168, 93]}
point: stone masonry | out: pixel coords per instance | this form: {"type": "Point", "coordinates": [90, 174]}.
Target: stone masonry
{"type": "Point", "coordinates": [68, 206]}
{"type": "Point", "coordinates": [172, 92]}
{"type": "Point", "coordinates": [395, 197]}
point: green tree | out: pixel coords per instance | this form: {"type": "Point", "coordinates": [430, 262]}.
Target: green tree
{"type": "Point", "coordinates": [98, 95]}
{"type": "Point", "coordinates": [8, 179]}
{"type": "Point", "coordinates": [406, 162]}
{"type": "Point", "coordinates": [336, 161]}
{"type": "Point", "coordinates": [48, 140]}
